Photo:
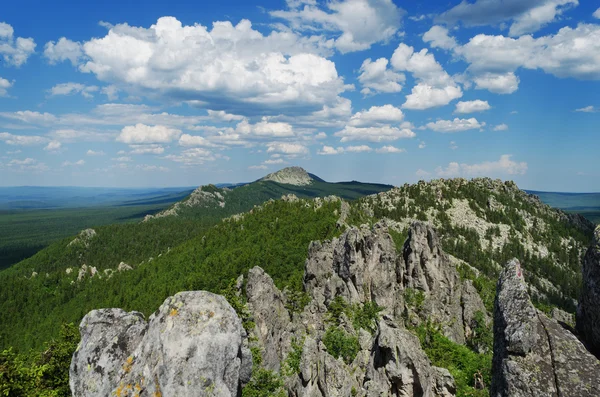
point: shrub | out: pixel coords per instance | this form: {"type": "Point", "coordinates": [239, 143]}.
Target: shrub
{"type": "Point", "coordinates": [341, 344]}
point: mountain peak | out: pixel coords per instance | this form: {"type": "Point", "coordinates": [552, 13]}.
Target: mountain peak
{"type": "Point", "coordinates": [291, 176]}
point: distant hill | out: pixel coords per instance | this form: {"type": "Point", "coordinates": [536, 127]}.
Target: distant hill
{"type": "Point", "coordinates": [586, 204]}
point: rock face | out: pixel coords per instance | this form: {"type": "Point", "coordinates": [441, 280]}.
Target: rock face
{"type": "Point", "coordinates": [535, 355]}
{"type": "Point", "coordinates": [588, 314]}
{"type": "Point", "coordinates": [363, 266]}
{"type": "Point", "coordinates": [194, 345]}
{"type": "Point", "coordinates": [291, 176]}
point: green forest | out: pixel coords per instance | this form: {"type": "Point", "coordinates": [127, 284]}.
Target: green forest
{"type": "Point", "coordinates": [204, 248]}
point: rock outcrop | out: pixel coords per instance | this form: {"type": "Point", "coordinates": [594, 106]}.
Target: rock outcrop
{"type": "Point", "coordinates": [588, 312]}
{"type": "Point", "coordinates": [363, 266]}
{"type": "Point", "coordinates": [533, 354]}
{"type": "Point", "coordinates": [194, 345]}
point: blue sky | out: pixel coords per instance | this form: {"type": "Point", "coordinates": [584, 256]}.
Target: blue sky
{"type": "Point", "coordinates": [181, 93]}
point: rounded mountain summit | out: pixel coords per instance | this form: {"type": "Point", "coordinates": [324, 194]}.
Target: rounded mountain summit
{"type": "Point", "coordinates": [292, 176]}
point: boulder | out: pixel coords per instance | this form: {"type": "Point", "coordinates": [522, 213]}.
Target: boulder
{"type": "Point", "coordinates": [533, 354]}
{"type": "Point", "coordinates": [588, 314]}
{"type": "Point", "coordinates": [193, 345]}
{"type": "Point", "coordinates": [108, 336]}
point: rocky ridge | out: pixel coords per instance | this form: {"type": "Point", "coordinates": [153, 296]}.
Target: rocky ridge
{"type": "Point", "coordinates": [533, 354]}
{"type": "Point", "coordinates": [360, 268]}
{"type": "Point", "coordinates": [497, 219]}
{"type": "Point", "coordinates": [204, 196]}
{"type": "Point", "coordinates": [291, 176]}
{"type": "Point", "coordinates": [588, 315]}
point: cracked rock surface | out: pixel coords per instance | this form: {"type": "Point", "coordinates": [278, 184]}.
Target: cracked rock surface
{"type": "Point", "coordinates": [533, 354]}
{"type": "Point", "coordinates": [588, 312]}
{"type": "Point", "coordinates": [194, 345]}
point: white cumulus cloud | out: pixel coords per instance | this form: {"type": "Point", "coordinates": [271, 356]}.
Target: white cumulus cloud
{"type": "Point", "coordinates": [501, 127]}
{"type": "Point", "coordinates": [504, 166]}
{"type": "Point", "coordinates": [472, 106]}
{"type": "Point", "coordinates": [141, 133]}
{"type": "Point", "coordinates": [390, 149]}
{"type": "Point", "coordinates": [227, 67]}
{"type": "Point", "coordinates": [456, 125]}
{"type": "Point", "coordinates": [354, 24]}
{"type": "Point", "coordinates": [15, 51]}
{"type": "Point", "coordinates": [438, 37]}
{"type": "Point", "coordinates": [22, 140]}
{"type": "Point", "coordinates": [375, 77]}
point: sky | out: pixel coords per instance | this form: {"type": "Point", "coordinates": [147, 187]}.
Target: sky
{"type": "Point", "coordinates": [184, 93]}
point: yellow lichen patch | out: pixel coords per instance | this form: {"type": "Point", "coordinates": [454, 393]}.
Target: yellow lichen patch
{"type": "Point", "coordinates": [128, 364]}
{"type": "Point", "coordinates": [211, 314]}
{"type": "Point", "coordinates": [173, 312]}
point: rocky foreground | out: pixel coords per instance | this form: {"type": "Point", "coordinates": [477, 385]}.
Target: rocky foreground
{"type": "Point", "coordinates": [195, 344]}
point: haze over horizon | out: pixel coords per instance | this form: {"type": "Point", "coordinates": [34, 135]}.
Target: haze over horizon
{"type": "Point", "coordinates": [180, 94]}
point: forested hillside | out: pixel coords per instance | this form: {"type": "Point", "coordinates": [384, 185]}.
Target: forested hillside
{"type": "Point", "coordinates": [481, 223]}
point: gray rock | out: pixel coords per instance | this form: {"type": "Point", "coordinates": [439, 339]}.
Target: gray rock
{"type": "Point", "coordinates": [448, 301]}
{"type": "Point", "coordinates": [534, 355]}
{"type": "Point", "coordinates": [588, 314]}
{"type": "Point", "coordinates": [562, 316]}
{"type": "Point", "coordinates": [267, 305]}
{"type": "Point", "coordinates": [192, 346]}
{"type": "Point", "coordinates": [398, 366]}
{"type": "Point", "coordinates": [108, 336]}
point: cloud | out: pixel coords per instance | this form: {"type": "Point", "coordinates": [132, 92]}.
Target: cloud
{"type": "Point", "coordinates": [571, 52]}
{"type": "Point", "coordinates": [498, 83]}
{"type": "Point", "coordinates": [434, 86]}
{"type": "Point", "coordinates": [146, 149]}
{"type": "Point", "coordinates": [141, 133]}
{"type": "Point", "coordinates": [73, 88]}
{"type": "Point", "coordinates": [73, 135]}
{"type": "Point", "coordinates": [15, 51]}
{"type": "Point", "coordinates": [194, 140]}
{"type": "Point", "coordinates": [287, 148]}
{"type": "Point", "coordinates": [472, 106]}
{"type": "Point", "coordinates": [193, 156]}
{"type": "Point", "coordinates": [422, 173]}
{"type": "Point", "coordinates": [274, 161]}
{"type": "Point", "coordinates": [258, 167]}
{"type": "Point", "coordinates": [375, 76]}
{"type": "Point", "coordinates": [220, 115]}
{"type": "Point", "coordinates": [266, 129]}
{"type": "Point", "coordinates": [596, 14]}
{"type": "Point", "coordinates": [355, 24]}
{"type": "Point", "coordinates": [77, 163]}
{"type": "Point", "coordinates": [123, 159]}
{"type": "Point", "coordinates": [376, 115]}
{"type": "Point", "coordinates": [438, 37]}
{"type": "Point", "coordinates": [53, 147]}
{"type": "Point", "coordinates": [232, 68]}
{"type": "Point", "coordinates": [22, 140]}
{"type": "Point", "coordinates": [587, 109]}
{"type": "Point", "coordinates": [147, 167]}
{"type": "Point", "coordinates": [329, 150]}
{"type": "Point", "coordinates": [4, 86]}
{"type": "Point", "coordinates": [456, 125]}
{"type": "Point", "coordinates": [390, 149]}
{"type": "Point", "coordinates": [374, 134]}
{"type": "Point", "coordinates": [422, 145]}
{"type": "Point", "coordinates": [27, 164]}
{"type": "Point", "coordinates": [424, 96]}
{"type": "Point", "coordinates": [91, 152]}
{"type": "Point", "coordinates": [62, 50]}
{"type": "Point", "coordinates": [504, 166]}
{"type": "Point", "coordinates": [111, 92]}
{"type": "Point", "coordinates": [358, 149]}
{"type": "Point", "coordinates": [527, 16]}
{"type": "Point", "coordinates": [453, 145]}
{"type": "Point", "coordinates": [501, 127]}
